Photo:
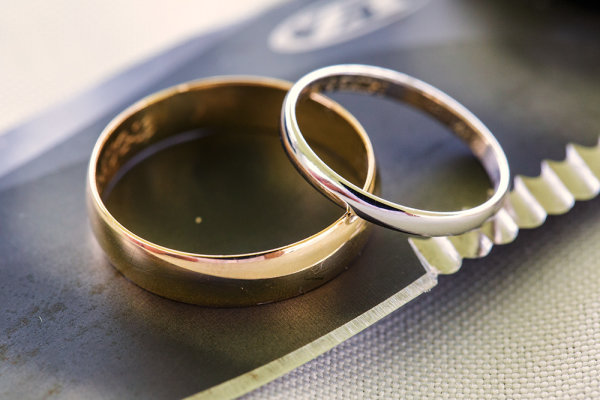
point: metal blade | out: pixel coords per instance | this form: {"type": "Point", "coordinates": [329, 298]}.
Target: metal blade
{"type": "Point", "coordinates": [553, 192]}
{"type": "Point", "coordinates": [532, 199]}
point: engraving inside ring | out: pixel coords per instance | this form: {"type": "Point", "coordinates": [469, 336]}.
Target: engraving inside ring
{"type": "Point", "coordinates": [218, 192]}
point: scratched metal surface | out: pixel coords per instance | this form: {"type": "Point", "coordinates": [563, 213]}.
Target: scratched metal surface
{"type": "Point", "coordinates": [73, 327]}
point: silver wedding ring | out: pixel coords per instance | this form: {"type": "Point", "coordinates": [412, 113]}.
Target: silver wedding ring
{"type": "Point", "coordinates": [384, 82]}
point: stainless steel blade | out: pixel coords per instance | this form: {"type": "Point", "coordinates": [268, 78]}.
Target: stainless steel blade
{"type": "Point", "coordinates": [532, 199]}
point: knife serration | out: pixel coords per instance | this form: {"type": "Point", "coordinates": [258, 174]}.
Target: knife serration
{"type": "Point", "coordinates": [527, 206]}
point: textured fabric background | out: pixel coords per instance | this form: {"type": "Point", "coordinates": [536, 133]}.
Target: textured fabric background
{"type": "Point", "coordinates": [527, 326]}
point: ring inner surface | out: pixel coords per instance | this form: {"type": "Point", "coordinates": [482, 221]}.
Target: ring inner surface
{"type": "Point", "coordinates": [203, 171]}
{"type": "Point", "coordinates": [418, 160]}
{"type": "Point", "coordinates": [457, 123]}
{"type": "Point", "coordinates": [419, 163]}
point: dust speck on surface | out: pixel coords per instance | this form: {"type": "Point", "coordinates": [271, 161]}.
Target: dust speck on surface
{"type": "Point", "coordinates": [97, 289]}
{"type": "Point", "coordinates": [3, 351]}
{"type": "Point", "coordinates": [198, 220]}
{"type": "Point", "coordinates": [54, 390]}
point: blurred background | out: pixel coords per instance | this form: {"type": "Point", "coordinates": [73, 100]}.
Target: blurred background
{"type": "Point", "coordinates": [51, 51]}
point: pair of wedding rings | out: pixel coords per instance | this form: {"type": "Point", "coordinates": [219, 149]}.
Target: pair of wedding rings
{"type": "Point", "coordinates": [275, 274]}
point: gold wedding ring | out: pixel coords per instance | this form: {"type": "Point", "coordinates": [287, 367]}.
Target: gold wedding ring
{"type": "Point", "coordinates": [230, 279]}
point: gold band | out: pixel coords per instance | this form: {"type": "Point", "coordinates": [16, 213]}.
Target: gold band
{"type": "Point", "coordinates": [236, 279]}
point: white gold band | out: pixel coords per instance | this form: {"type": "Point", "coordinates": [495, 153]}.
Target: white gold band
{"type": "Point", "coordinates": [401, 87]}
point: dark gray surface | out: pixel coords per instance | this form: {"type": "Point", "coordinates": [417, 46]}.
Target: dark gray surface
{"type": "Point", "coordinates": [522, 324]}
{"type": "Point", "coordinates": [71, 321]}
{"type": "Point", "coordinates": [73, 327]}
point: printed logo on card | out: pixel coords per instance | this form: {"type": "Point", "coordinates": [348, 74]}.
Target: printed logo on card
{"type": "Point", "coordinates": [330, 22]}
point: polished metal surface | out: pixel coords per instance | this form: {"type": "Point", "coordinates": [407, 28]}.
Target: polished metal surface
{"type": "Point", "coordinates": [384, 82]}
{"type": "Point", "coordinates": [226, 279]}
